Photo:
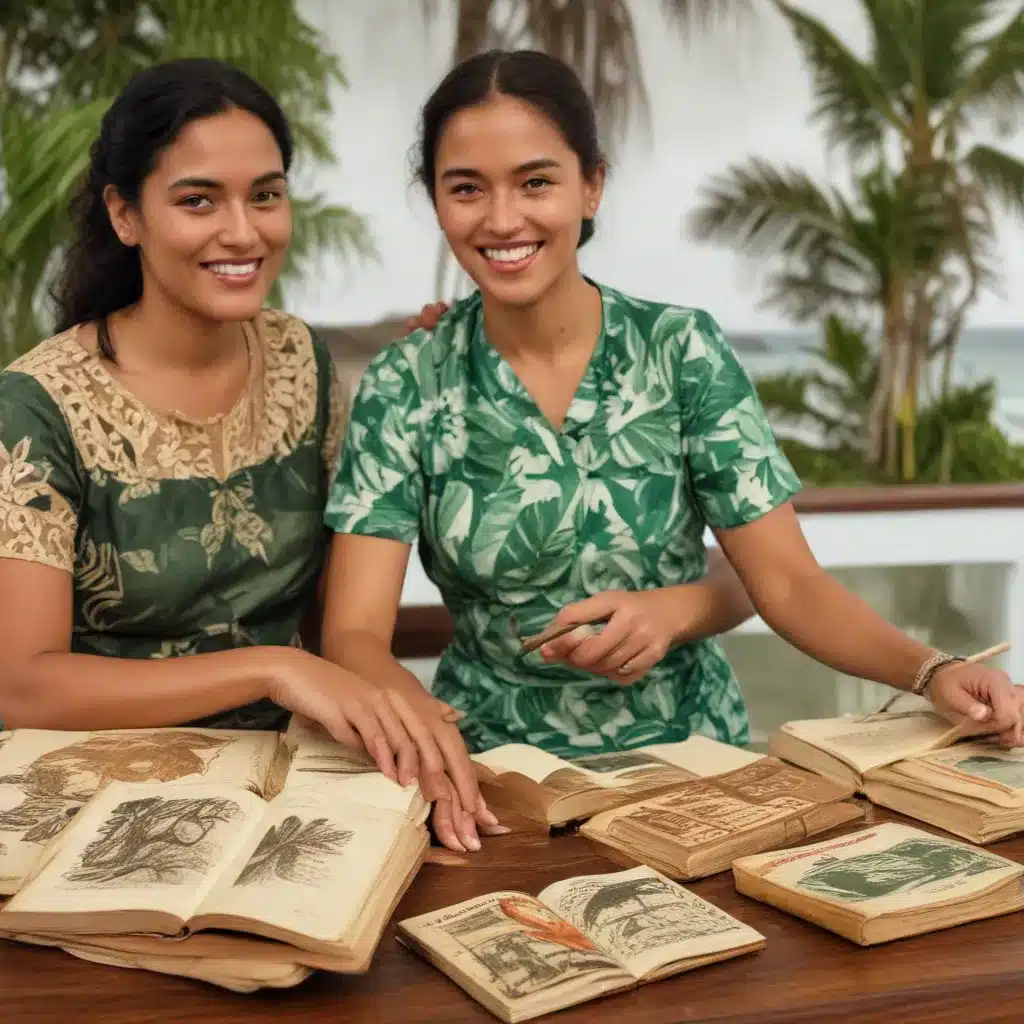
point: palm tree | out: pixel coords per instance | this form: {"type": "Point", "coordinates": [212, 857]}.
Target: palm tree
{"type": "Point", "coordinates": [61, 70]}
{"type": "Point", "coordinates": [914, 245]}
{"type": "Point", "coordinates": [596, 37]}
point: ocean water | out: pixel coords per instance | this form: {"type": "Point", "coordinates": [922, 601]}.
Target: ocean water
{"type": "Point", "coordinates": [984, 353]}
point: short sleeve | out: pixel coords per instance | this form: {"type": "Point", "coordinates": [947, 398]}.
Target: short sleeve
{"type": "Point", "coordinates": [378, 488]}
{"type": "Point", "coordinates": [737, 471]}
{"type": "Point", "coordinates": [40, 482]}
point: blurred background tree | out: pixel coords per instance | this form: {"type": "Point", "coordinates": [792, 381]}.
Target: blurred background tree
{"type": "Point", "coordinates": [897, 257]}
{"type": "Point", "coordinates": [61, 64]}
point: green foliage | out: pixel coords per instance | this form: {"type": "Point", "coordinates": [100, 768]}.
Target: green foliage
{"type": "Point", "coordinates": [954, 438]}
{"type": "Point", "coordinates": [61, 64]}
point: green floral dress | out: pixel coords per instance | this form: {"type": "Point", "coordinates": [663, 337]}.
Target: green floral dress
{"type": "Point", "coordinates": [182, 536]}
{"type": "Point", "coordinates": [516, 520]}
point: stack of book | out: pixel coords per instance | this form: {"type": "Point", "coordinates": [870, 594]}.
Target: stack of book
{"type": "Point", "coordinates": [226, 857]}
{"type": "Point", "coordinates": [915, 763]}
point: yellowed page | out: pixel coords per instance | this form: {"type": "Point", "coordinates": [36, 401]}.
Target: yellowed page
{"type": "Point", "coordinates": [135, 847]}
{"type": "Point", "coordinates": [872, 744]}
{"type": "Point", "coordinates": [313, 749]}
{"type": "Point", "coordinates": [46, 776]}
{"type": "Point", "coordinates": [644, 919]}
{"type": "Point", "coordinates": [976, 769]}
{"type": "Point", "coordinates": [530, 761]}
{"type": "Point", "coordinates": [512, 954]}
{"type": "Point", "coordinates": [702, 756]}
{"type": "Point", "coordinates": [890, 868]}
{"type": "Point", "coordinates": [311, 865]}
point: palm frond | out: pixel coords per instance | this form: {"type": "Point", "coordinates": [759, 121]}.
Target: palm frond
{"type": "Point", "coordinates": [994, 85]}
{"type": "Point", "coordinates": [851, 99]}
{"type": "Point", "coordinates": [998, 174]}
{"type": "Point", "coordinates": [694, 18]}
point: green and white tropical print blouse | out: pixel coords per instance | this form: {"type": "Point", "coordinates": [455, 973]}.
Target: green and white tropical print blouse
{"type": "Point", "coordinates": [514, 518]}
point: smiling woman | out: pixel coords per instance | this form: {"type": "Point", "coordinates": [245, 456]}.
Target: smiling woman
{"type": "Point", "coordinates": [558, 449]}
{"type": "Point", "coordinates": [164, 459]}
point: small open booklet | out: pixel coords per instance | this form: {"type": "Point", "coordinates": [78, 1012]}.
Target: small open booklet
{"type": "Point", "coordinates": [316, 867]}
{"type": "Point", "coordinates": [547, 789]}
{"type": "Point", "coordinates": [522, 956]}
{"type": "Point", "coordinates": [46, 776]}
{"type": "Point", "coordinates": [701, 826]}
{"type": "Point", "coordinates": [883, 883]}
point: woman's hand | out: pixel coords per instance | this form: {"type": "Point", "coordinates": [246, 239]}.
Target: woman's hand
{"type": "Point", "coordinates": [641, 626]}
{"type": "Point", "coordinates": [427, 319]}
{"type": "Point", "coordinates": [982, 698]}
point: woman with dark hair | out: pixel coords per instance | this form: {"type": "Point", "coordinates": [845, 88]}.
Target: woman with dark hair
{"type": "Point", "coordinates": [559, 448]}
{"type": "Point", "coordinates": [165, 458]}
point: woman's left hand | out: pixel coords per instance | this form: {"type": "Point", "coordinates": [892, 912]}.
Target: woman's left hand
{"type": "Point", "coordinates": [982, 696]}
{"type": "Point", "coordinates": [638, 633]}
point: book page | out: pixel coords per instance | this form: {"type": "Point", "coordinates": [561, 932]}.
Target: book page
{"type": "Point", "coordinates": [977, 769]}
{"type": "Point", "coordinates": [311, 864]}
{"type": "Point", "coordinates": [532, 762]}
{"type": "Point", "coordinates": [644, 919]}
{"type": "Point", "coordinates": [135, 847]}
{"type": "Point", "coordinates": [373, 789]}
{"type": "Point", "coordinates": [46, 776]}
{"type": "Point", "coordinates": [872, 744]}
{"type": "Point", "coordinates": [889, 868]}
{"type": "Point", "coordinates": [512, 946]}
{"type": "Point", "coordinates": [630, 770]}
{"type": "Point", "coordinates": [702, 756]}
{"type": "Point", "coordinates": [707, 812]}
{"type": "Point", "coordinates": [313, 749]}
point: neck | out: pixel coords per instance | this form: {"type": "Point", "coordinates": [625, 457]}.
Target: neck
{"type": "Point", "coordinates": [566, 316]}
{"type": "Point", "coordinates": [164, 334]}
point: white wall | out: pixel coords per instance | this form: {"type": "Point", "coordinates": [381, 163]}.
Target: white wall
{"type": "Point", "coordinates": [712, 104]}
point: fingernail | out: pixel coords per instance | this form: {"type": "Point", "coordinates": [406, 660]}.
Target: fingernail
{"type": "Point", "coordinates": [473, 843]}
{"type": "Point", "coordinates": [485, 812]}
{"type": "Point", "coordinates": [499, 830]}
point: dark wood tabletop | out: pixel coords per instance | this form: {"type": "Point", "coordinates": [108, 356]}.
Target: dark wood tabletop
{"type": "Point", "coordinates": [973, 973]}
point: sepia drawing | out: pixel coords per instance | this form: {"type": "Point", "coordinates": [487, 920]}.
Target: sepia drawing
{"type": "Point", "coordinates": [294, 851]}
{"type": "Point", "coordinates": [615, 761]}
{"type": "Point", "coordinates": [525, 947]}
{"type": "Point", "coordinates": [637, 915]}
{"type": "Point", "coordinates": [154, 841]}
{"type": "Point", "coordinates": [56, 784]}
{"type": "Point", "coordinates": [907, 866]}
{"type": "Point", "coordinates": [335, 764]}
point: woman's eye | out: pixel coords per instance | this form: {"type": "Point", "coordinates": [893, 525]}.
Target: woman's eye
{"type": "Point", "coordinates": [465, 189]}
{"type": "Point", "coordinates": [535, 183]}
{"type": "Point", "coordinates": [267, 196]}
{"type": "Point", "coordinates": [194, 202]}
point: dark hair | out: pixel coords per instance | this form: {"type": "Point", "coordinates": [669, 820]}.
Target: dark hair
{"type": "Point", "coordinates": [101, 274]}
{"type": "Point", "coordinates": [537, 78]}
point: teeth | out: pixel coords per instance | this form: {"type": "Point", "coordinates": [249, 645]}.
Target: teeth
{"type": "Point", "coordinates": [234, 269]}
{"type": "Point", "coordinates": [511, 255]}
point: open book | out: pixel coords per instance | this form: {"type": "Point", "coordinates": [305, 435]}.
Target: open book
{"type": "Point", "coordinates": [581, 938]}
{"type": "Point", "coordinates": [46, 776]}
{"type": "Point", "coordinates": [700, 827]}
{"type": "Point", "coordinates": [544, 788]}
{"type": "Point", "coordinates": [314, 868]}
{"type": "Point", "coordinates": [846, 749]}
{"type": "Point", "coordinates": [884, 883]}
{"type": "Point", "coordinates": [974, 789]}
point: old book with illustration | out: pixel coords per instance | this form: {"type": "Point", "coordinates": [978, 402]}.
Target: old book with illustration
{"type": "Point", "coordinates": [700, 827]}
{"type": "Point", "coordinates": [884, 883]}
{"type": "Point", "coordinates": [314, 868]}
{"type": "Point", "coordinates": [522, 956]}
{"type": "Point", "coordinates": [47, 776]}
{"type": "Point", "coordinates": [547, 789]}
{"type": "Point", "coordinates": [847, 748]}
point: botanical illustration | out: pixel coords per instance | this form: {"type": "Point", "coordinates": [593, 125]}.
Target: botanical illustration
{"type": "Point", "coordinates": [525, 947]}
{"type": "Point", "coordinates": [56, 784]}
{"type": "Point", "coordinates": [294, 851]}
{"type": "Point", "coordinates": [334, 764]}
{"type": "Point", "coordinates": [616, 761]}
{"type": "Point", "coordinates": [154, 841]}
{"type": "Point", "coordinates": [1006, 772]}
{"type": "Point", "coordinates": [634, 916]}
{"type": "Point", "coordinates": [907, 866]}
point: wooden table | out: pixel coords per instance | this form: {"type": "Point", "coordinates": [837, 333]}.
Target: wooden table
{"type": "Point", "coordinates": [974, 973]}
